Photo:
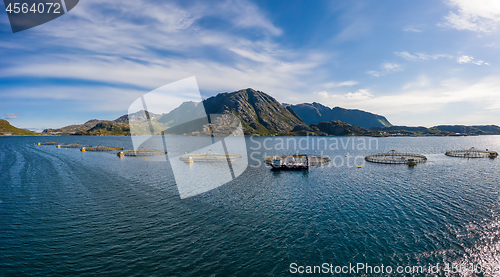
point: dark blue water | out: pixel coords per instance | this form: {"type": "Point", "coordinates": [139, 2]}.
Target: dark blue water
{"type": "Point", "coordinates": [64, 212]}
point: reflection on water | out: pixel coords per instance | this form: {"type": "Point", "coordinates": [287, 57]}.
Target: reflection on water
{"type": "Point", "coordinates": [63, 211]}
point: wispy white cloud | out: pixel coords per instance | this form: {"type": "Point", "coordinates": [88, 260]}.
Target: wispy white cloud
{"type": "Point", "coordinates": [421, 82]}
{"type": "Point", "coordinates": [386, 68]}
{"type": "Point", "coordinates": [359, 95]}
{"type": "Point", "coordinates": [424, 57]}
{"type": "Point", "coordinates": [140, 50]}
{"type": "Point", "coordinates": [424, 99]}
{"type": "Point", "coordinates": [468, 59]}
{"type": "Point", "coordinates": [411, 28]}
{"type": "Point", "coordinates": [340, 84]}
{"type": "Point", "coordinates": [11, 116]}
{"type": "Point", "coordinates": [473, 15]}
{"type": "Point", "coordinates": [420, 56]}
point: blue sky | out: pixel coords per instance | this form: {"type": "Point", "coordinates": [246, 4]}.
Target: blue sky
{"type": "Point", "coordinates": [416, 62]}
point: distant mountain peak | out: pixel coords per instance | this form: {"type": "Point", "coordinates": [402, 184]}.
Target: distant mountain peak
{"type": "Point", "coordinates": [313, 113]}
{"type": "Point", "coordinates": [259, 112]}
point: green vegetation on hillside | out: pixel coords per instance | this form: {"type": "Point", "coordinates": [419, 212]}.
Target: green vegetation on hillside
{"type": "Point", "coordinates": [442, 130]}
{"type": "Point", "coordinates": [330, 128]}
{"type": "Point", "coordinates": [7, 129]}
{"type": "Point", "coordinates": [259, 112]}
{"type": "Point", "coordinates": [107, 128]}
{"type": "Point", "coordinates": [71, 129]}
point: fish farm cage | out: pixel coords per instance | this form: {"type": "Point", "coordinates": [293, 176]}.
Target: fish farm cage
{"type": "Point", "coordinates": [141, 152]}
{"type": "Point", "coordinates": [472, 153]}
{"type": "Point", "coordinates": [100, 148]}
{"type": "Point", "coordinates": [73, 145]}
{"type": "Point", "coordinates": [52, 143]}
{"type": "Point", "coordinates": [209, 156]}
{"type": "Point", "coordinates": [394, 157]}
{"type": "Point", "coordinates": [313, 160]}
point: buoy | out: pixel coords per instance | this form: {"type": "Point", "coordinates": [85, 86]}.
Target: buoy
{"type": "Point", "coordinates": [144, 158]}
{"type": "Point", "coordinates": [346, 155]}
{"type": "Point", "coordinates": [38, 143]}
{"type": "Point", "coordinates": [359, 166]}
{"type": "Point", "coordinates": [411, 162]}
{"type": "Point", "coordinates": [65, 148]}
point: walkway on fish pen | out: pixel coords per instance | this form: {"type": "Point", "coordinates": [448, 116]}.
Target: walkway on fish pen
{"type": "Point", "coordinates": [394, 157]}
{"type": "Point", "coordinates": [100, 148]}
{"type": "Point", "coordinates": [472, 153]}
{"type": "Point", "coordinates": [209, 156]}
{"type": "Point", "coordinates": [141, 152]}
{"type": "Point", "coordinates": [73, 145]}
{"type": "Point", "coordinates": [52, 143]}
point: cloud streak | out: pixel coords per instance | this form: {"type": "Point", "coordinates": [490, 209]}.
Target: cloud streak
{"type": "Point", "coordinates": [411, 28]}
{"type": "Point", "coordinates": [139, 50]}
{"type": "Point", "coordinates": [420, 56]}
{"type": "Point", "coordinates": [11, 116]}
{"type": "Point", "coordinates": [424, 57]}
{"type": "Point", "coordinates": [468, 59]}
{"type": "Point", "coordinates": [386, 68]}
{"type": "Point", "coordinates": [340, 84]}
{"type": "Point", "coordinates": [424, 100]}
{"type": "Point", "coordinates": [473, 15]}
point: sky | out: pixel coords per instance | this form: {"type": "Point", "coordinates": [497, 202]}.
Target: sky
{"type": "Point", "coordinates": [419, 63]}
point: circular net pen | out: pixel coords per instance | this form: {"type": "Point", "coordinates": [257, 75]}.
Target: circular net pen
{"type": "Point", "coordinates": [394, 157]}
{"type": "Point", "coordinates": [472, 153]}
{"type": "Point", "coordinates": [209, 156]}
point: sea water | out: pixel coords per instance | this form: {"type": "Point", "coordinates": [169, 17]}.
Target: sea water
{"type": "Point", "coordinates": [67, 212]}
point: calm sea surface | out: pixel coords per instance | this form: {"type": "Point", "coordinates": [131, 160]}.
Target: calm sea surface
{"type": "Point", "coordinates": [67, 212]}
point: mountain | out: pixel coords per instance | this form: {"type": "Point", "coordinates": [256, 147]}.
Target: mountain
{"type": "Point", "coordinates": [71, 129]}
{"type": "Point", "coordinates": [119, 126]}
{"type": "Point", "coordinates": [259, 112]}
{"type": "Point", "coordinates": [330, 128]}
{"type": "Point", "coordinates": [7, 129]}
{"type": "Point", "coordinates": [316, 112]}
{"type": "Point", "coordinates": [186, 112]}
{"type": "Point", "coordinates": [479, 130]}
{"type": "Point", "coordinates": [442, 130]}
{"type": "Point", "coordinates": [107, 128]}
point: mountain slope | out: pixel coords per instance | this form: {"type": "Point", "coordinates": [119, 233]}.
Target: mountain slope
{"type": "Point", "coordinates": [316, 112]}
{"type": "Point", "coordinates": [480, 130]}
{"type": "Point", "coordinates": [259, 112]}
{"type": "Point", "coordinates": [107, 127]}
{"type": "Point", "coordinates": [74, 128]}
{"type": "Point", "coordinates": [330, 128]}
{"type": "Point", "coordinates": [7, 129]}
{"type": "Point", "coordinates": [443, 130]}
{"type": "Point", "coordinates": [119, 126]}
